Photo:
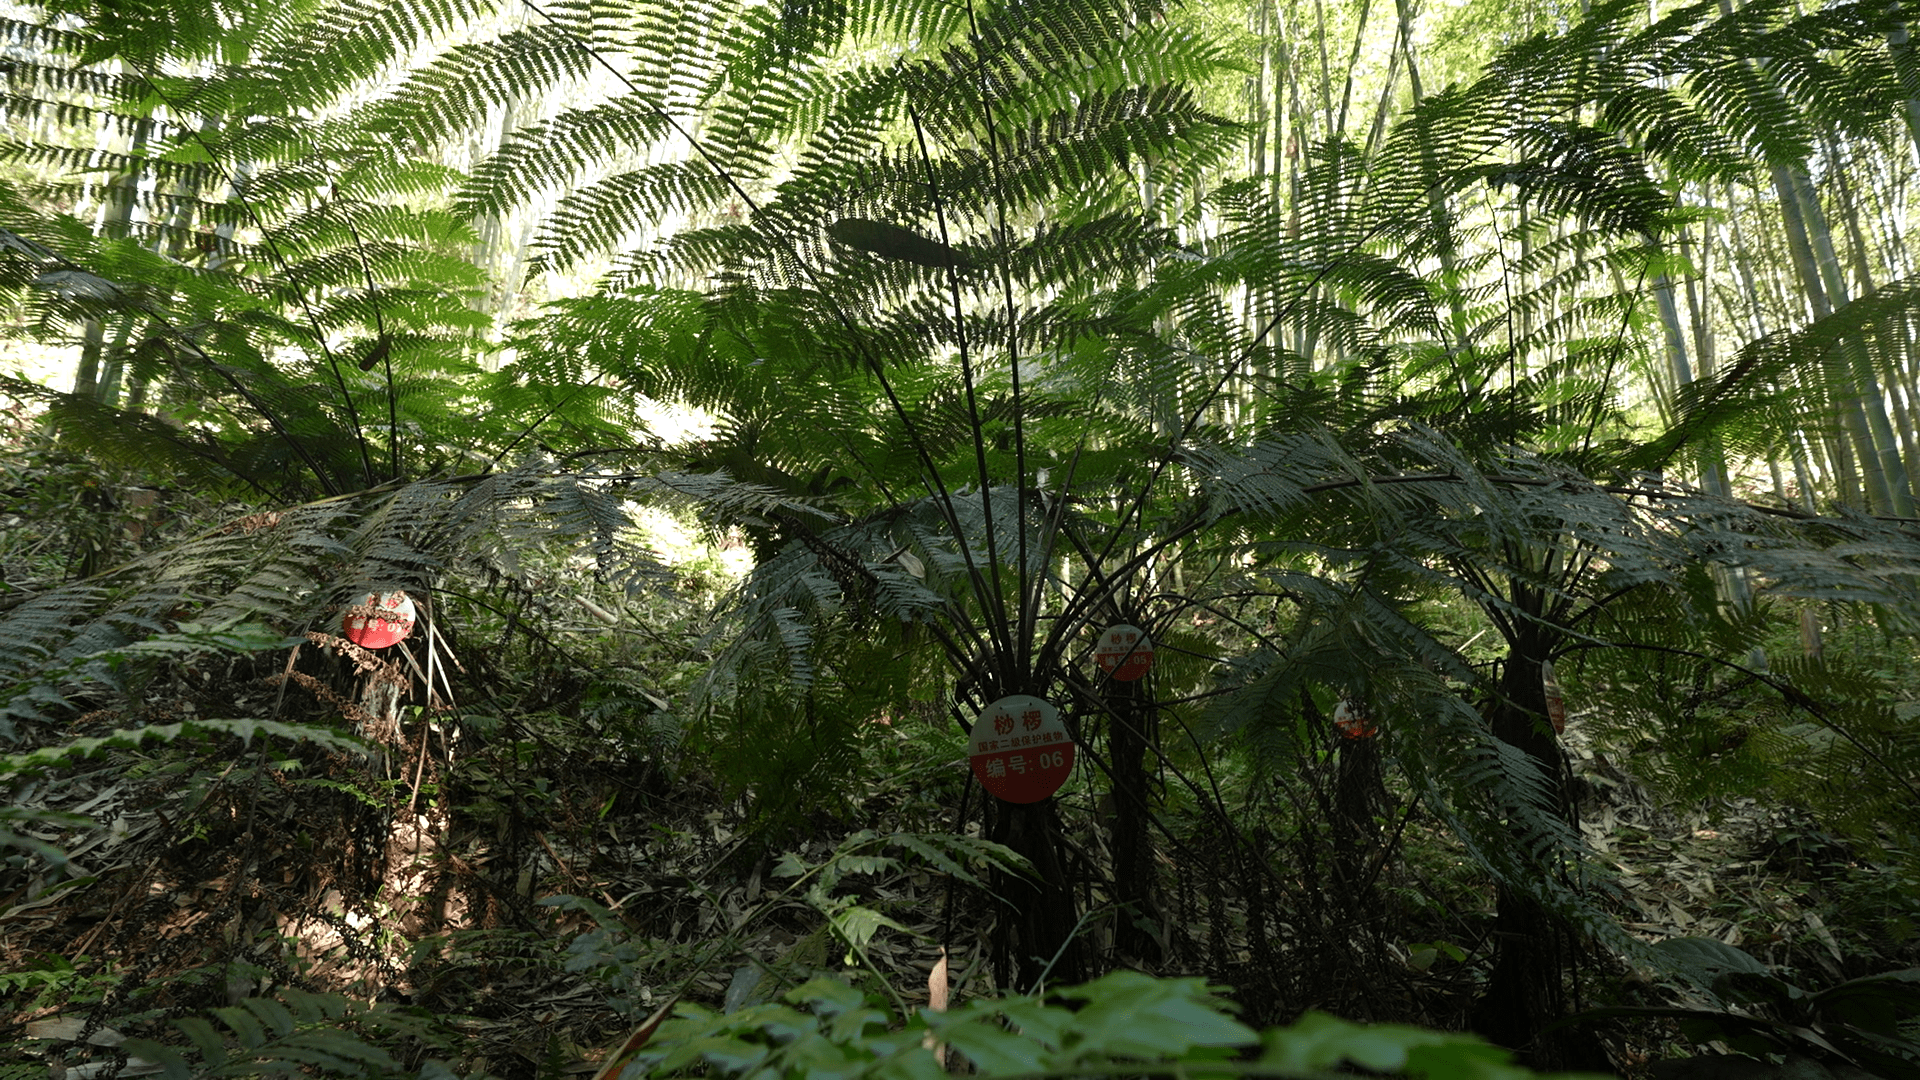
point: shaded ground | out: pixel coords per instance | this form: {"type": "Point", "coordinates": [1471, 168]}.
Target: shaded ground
{"type": "Point", "coordinates": [573, 893]}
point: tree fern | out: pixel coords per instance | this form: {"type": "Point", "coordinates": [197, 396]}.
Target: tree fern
{"type": "Point", "coordinates": [295, 572]}
{"type": "Point", "coordinates": [977, 392]}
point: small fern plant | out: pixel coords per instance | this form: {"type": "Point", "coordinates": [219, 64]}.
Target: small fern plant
{"type": "Point", "coordinates": [295, 1033]}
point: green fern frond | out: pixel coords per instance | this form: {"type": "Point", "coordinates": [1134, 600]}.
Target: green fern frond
{"type": "Point", "coordinates": [602, 215]}
{"type": "Point", "coordinates": [271, 1036]}
{"type": "Point", "coordinates": [553, 154]}
{"type": "Point", "coordinates": [462, 86]}
{"type": "Point", "coordinates": [76, 161]}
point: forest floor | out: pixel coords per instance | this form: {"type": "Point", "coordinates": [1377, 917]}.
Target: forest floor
{"type": "Point", "coordinates": [567, 901]}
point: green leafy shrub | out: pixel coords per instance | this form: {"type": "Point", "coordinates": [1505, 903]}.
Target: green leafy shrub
{"type": "Point", "coordinates": [1862, 1022]}
{"type": "Point", "coordinates": [1123, 1024]}
{"type": "Point", "coordinates": [1118, 1025]}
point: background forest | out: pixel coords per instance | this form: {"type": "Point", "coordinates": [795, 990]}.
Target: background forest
{"type": "Point", "coordinates": [1500, 419]}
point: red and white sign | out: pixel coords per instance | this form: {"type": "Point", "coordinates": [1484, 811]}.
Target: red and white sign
{"type": "Point", "coordinates": [1352, 722]}
{"type": "Point", "coordinates": [378, 621]}
{"type": "Point", "coordinates": [1556, 704]}
{"type": "Point", "coordinates": [1125, 652]}
{"type": "Point", "coordinates": [1020, 749]}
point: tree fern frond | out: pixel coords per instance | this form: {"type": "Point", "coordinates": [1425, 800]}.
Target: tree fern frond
{"type": "Point", "coordinates": [1586, 175]}
{"type": "Point", "coordinates": [552, 154]}
{"type": "Point", "coordinates": [461, 87]}
{"type": "Point", "coordinates": [601, 216]}
{"type": "Point", "coordinates": [136, 439]}
{"type": "Point", "coordinates": [32, 76]}
{"type": "Point", "coordinates": [79, 162]}
{"type": "Point", "coordinates": [313, 64]}
{"type": "Point", "coordinates": [674, 48]}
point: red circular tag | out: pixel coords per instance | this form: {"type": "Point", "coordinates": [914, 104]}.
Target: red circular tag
{"type": "Point", "coordinates": [1125, 652]}
{"type": "Point", "coordinates": [378, 621]}
{"type": "Point", "coordinates": [1020, 749]}
{"type": "Point", "coordinates": [1351, 722]}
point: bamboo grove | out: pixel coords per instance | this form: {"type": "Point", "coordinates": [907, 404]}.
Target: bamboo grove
{"type": "Point", "coordinates": [1015, 321]}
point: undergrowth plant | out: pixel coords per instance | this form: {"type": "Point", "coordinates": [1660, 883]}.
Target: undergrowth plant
{"type": "Point", "coordinates": [1119, 1025]}
{"type": "Point", "coordinates": [1866, 1023]}
{"type": "Point", "coordinates": [1115, 1026]}
{"type": "Point", "coordinates": [989, 372]}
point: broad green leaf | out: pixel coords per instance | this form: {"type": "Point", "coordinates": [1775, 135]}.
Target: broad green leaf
{"type": "Point", "coordinates": [825, 996]}
{"type": "Point", "coordinates": [1047, 1024]}
{"type": "Point", "coordinates": [1133, 1015]}
{"type": "Point", "coordinates": [993, 1048]}
{"type": "Point", "coordinates": [1876, 1003]}
{"type": "Point", "coordinates": [915, 1063]}
{"type": "Point", "coordinates": [1703, 960]}
{"type": "Point", "coordinates": [732, 1054]}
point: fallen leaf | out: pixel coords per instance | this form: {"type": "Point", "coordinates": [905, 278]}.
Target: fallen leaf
{"type": "Point", "coordinates": [70, 1029]}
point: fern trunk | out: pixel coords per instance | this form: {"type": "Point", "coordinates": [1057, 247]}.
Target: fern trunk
{"type": "Point", "coordinates": [1034, 941]}
{"type": "Point", "coordinates": [1535, 947]}
{"type": "Point", "coordinates": [1131, 734]}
